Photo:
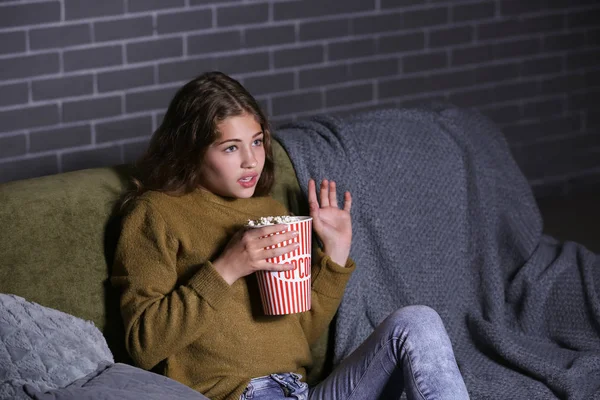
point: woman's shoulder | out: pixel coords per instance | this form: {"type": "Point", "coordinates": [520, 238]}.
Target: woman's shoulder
{"type": "Point", "coordinates": [154, 196]}
{"type": "Point", "coordinates": [153, 201]}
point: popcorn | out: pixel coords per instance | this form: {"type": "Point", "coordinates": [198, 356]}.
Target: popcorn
{"type": "Point", "coordinates": [281, 219]}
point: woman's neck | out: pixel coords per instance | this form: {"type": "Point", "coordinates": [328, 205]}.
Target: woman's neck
{"type": "Point", "coordinates": [215, 198]}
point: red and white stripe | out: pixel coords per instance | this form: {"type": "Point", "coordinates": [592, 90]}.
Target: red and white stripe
{"type": "Point", "coordinates": [285, 296]}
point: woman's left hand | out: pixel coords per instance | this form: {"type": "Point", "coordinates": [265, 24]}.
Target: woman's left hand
{"type": "Point", "coordinates": [332, 224]}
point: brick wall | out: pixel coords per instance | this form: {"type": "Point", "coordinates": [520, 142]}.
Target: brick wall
{"type": "Point", "coordinates": [83, 83]}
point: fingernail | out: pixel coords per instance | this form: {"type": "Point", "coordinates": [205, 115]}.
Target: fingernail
{"type": "Point", "coordinates": [295, 233]}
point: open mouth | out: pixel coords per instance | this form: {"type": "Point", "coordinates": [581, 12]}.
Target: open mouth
{"type": "Point", "coordinates": [248, 181]}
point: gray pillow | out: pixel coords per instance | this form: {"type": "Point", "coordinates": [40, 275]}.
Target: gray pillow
{"type": "Point", "coordinates": [120, 382]}
{"type": "Point", "coordinates": [44, 348]}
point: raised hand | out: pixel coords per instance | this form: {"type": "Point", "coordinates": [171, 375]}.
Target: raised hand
{"type": "Point", "coordinates": [332, 224]}
{"type": "Point", "coordinates": [245, 253]}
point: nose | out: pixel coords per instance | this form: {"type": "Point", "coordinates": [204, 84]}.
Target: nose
{"type": "Point", "coordinates": [249, 160]}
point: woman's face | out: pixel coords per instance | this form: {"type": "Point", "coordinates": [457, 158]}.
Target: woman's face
{"type": "Point", "coordinates": [234, 162]}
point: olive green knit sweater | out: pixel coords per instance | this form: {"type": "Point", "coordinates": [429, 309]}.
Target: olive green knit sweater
{"type": "Point", "coordinates": [183, 320]}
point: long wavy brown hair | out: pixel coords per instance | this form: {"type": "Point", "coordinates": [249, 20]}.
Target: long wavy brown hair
{"type": "Point", "coordinates": [172, 161]}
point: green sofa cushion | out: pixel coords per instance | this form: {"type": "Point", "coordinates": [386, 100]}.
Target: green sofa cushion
{"type": "Point", "coordinates": [56, 241]}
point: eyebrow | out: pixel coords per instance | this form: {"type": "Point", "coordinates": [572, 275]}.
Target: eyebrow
{"type": "Point", "coordinates": [238, 140]}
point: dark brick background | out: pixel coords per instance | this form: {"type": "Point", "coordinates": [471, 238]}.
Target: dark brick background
{"type": "Point", "coordinates": [84, 83]}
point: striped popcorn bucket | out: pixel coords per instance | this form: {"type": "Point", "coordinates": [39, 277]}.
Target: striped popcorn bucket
{"type": "Point", "coordinates": [288, 292]}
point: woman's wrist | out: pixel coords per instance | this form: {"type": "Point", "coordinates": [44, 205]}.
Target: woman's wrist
{"type": "Point", "coordinates": [222, 269]}
{"type": "Point", "coordinates": [337, 255]}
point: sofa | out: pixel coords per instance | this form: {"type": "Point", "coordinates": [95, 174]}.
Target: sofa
{"type": "Point", "coordinates": [59, 233]}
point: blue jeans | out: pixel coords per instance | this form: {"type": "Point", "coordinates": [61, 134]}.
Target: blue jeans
{"type": "Point", "coordinates": [276, 386]}
{"type": "Point", "coordinates": [409, 351]}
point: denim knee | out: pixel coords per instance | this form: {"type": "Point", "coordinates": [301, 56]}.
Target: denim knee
{"type": "Point", "coordinates": [417, 320]}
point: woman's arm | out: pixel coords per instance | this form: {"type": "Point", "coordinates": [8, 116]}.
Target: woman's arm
{"type": "Point", "coordinates": [328, 283]}
{"type": "Point", "coordinates": [333, 267]}
{"type": "Point", "coordinates": [161, 315]}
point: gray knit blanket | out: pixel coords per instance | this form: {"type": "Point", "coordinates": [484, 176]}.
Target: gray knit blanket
{"type": "Point", "coordinates": [443, 216]}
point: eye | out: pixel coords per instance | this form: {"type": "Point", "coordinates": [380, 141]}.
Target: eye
{"type": "Point", "coordinates": [257, 142]}
{"type": "Point", "coordinates": [230, 149]}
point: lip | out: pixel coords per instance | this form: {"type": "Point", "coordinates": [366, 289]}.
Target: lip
{"type": "Point", "coordinates": [253, 179]}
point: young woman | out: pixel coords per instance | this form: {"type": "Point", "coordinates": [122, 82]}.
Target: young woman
{"type": "Point", "coordinates": [185, 267]}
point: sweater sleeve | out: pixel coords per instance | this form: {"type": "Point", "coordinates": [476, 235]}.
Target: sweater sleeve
{"type": "Point", "coordinates": [328, 283]}
{"type": "Point", "coordinates": [161, 315]}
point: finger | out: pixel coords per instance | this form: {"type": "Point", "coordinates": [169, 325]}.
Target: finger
{"type": "Point", "coordinates": [267, 230]}
{"type": "Point", "coordinates": [276, 267]}
{"type": "Point", "coordinates": [312, 193]}
{"type": "Point", "coordinates": [276, 239]}
{"type": "Point", "coordinates": [347, 201]}
{"type": "Point", "coordinates": [324, 193]}
{"type": "Point", "coordinates": [278, 251]}
{"type": "Point", "coordinates": [314, 212]}
{"type": "Point", "coordinates": [333, 195]}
